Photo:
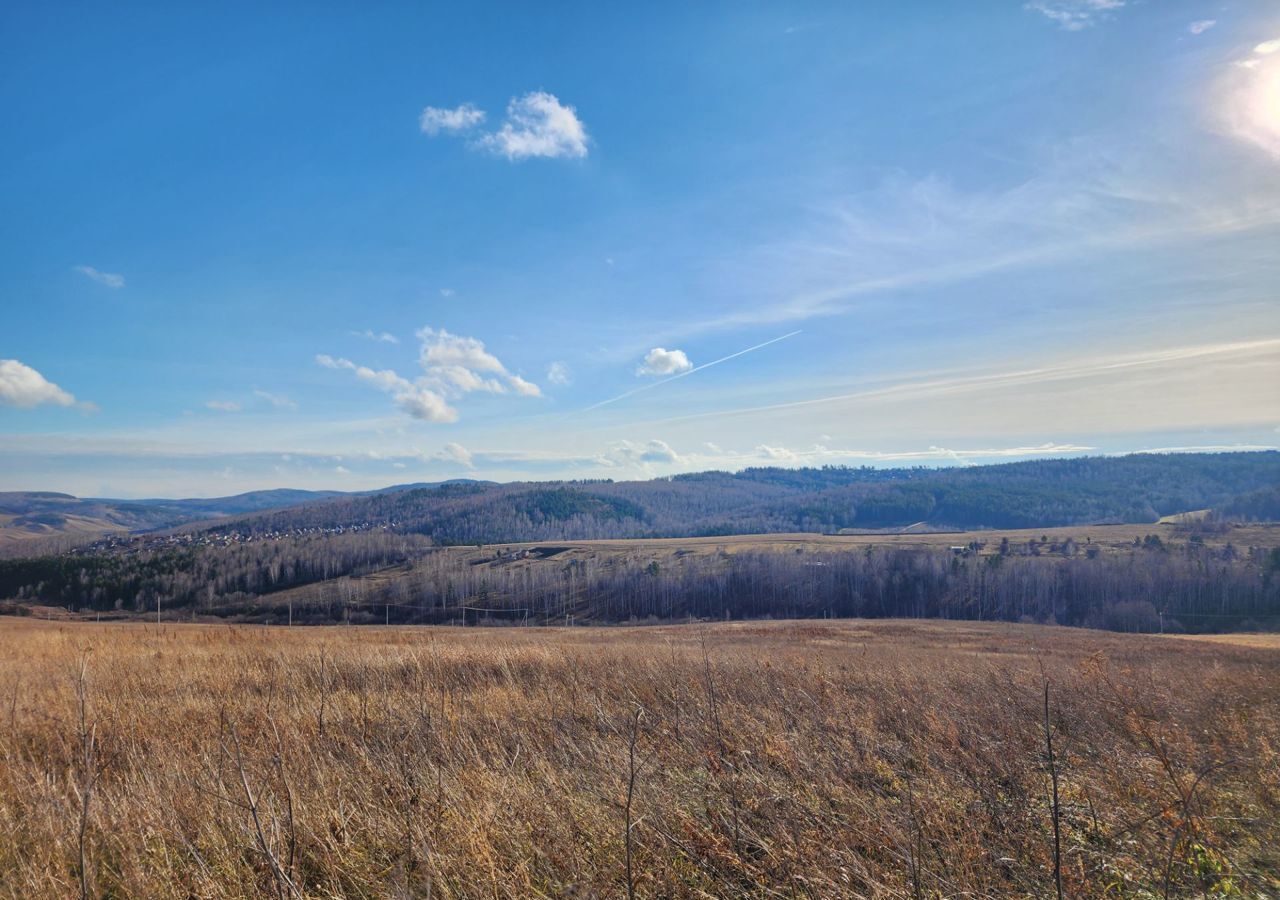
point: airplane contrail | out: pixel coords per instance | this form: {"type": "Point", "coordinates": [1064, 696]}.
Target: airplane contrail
{"type": "Point", "coordinates": [714, 362]}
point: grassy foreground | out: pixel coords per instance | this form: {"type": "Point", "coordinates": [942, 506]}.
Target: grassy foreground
{"type": "Point", "coordinates": [818, 759]}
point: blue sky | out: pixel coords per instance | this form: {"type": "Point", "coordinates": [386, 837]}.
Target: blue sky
{"type": "Point", "coordinates": [324, 247]}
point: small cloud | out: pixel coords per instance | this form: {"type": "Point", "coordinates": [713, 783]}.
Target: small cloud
{"type": "Point", "coordinates": [1266, 48]}
{"type": "Point", "coordinates": [223, 405]}
{"type": "Point", "coordinates": [110, 279]}
{"type": "Point", "coordinates": [440, 348]}
{"type": "Point", "coordinates": [524, 388]}
{"type": "Point", "coordinates": [416, 400]}
{"type": "Point", "coordinates": [1074, 15]}
{"type": "Point", "coordinates": [435, 119]}
{"type": "Point", "coordinates": [1201, 26]}
{"type": "Point", "coordinates": [629, 453]}
{"type": "Point", "coordinates": [25, 388]}
{"type": "Point", "coordinates": [538, 125]}
{"type": "Point", "coordinates": [452, 366]}
{"type": "Point", "coordinates": [558, 373]}
{"type": "Point", "coordinates": [279, 401]}
{"type": "Point", "coordinates": [447, 292]}
{"type": "Point", "coordinates": [342, 470]}
{"type": "Point", "coordinates": [452, 452]}
{"type": "Point", "coordinates": [384, 337]}
{"type": "Point", "coordinates": [776, 454]}
{"type": "Point", "coordinates": [660, 361]}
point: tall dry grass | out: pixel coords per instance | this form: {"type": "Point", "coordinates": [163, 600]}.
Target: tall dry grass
{"type": "Point", "coordinates": [882, 759]}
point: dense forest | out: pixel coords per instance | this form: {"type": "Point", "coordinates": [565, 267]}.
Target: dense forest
{"type": "Point", "coordinates": [380, 576]}
{"type": "Point", "coordinates": [1139, 488]}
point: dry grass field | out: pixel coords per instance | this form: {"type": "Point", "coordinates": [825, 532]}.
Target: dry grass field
{"type": "Point", "coordinates": [788, 759]}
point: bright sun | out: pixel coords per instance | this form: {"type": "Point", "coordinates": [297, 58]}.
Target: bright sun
{"type": "Point", "coordinates": [1252, 104]}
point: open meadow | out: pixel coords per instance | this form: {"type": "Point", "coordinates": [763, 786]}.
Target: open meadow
{"type": "Point", "coordinates": [801, 759]}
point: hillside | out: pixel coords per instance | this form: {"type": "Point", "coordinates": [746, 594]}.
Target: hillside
{"type": "Point", "coordinates": [44, 517]}
{"type": "Point", "coordinates": [1041, 494]}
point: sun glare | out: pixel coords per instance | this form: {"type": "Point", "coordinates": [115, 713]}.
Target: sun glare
{"type": "Point", "coordinates": [1252, 98]}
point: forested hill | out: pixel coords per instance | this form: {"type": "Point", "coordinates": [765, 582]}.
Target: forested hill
{"type": "Point", "coordinates": [1136, 489]}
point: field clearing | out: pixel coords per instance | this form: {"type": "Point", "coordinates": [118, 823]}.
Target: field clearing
{"type": "Point", "coordinates": [1116, 537]}
{"type": "Point", "coordinates": [1260, 641]}
{"type": "Point", "coordinates": [15, 536]}
{"type": "Point", "coordinates": [884, 758]}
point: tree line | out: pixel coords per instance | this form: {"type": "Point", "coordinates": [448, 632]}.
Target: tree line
{"type": "Point", "coordinates": [1137, 488]}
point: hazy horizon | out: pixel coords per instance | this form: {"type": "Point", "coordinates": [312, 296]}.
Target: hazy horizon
{"type": "Point", "coordinates": [249, 249]}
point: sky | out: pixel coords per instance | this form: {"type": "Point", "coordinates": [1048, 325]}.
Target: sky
{"type": "Point", "coordinates": [342, 246]}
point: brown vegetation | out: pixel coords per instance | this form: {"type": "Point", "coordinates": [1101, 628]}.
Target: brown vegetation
{"type": "Point", "coordinates": [814, 759]}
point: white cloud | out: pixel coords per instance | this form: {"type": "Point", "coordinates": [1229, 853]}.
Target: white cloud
{"type": "Point", "coordinates": [417, 400]}
{"type": "Point", "coordinates": [110, 279]}
{"type": "Point", "coordinates": [1074, 15]}
{"type": "Point", "coordinates": [1266, 48]}
{"type": "Point", "coordinates": [630, 453]}
{"type": "Point", "coordinates": [223, 405]}
{"type": "Point", "coordinates": [1201, 26]}
{"type": "Point", "coordinates": [558, 373]}
{"type": "Point", "coordinates": [384, 337]}
{"type": "Point", "coordinates": [447, 292]}
{"type": "Point", "coordinates": [538, 125]}
{"type": "Point", "coordinates": [435, 119]}
{"type": "Point", "coordinates": [776, 454]}
{"type": "Point", "coordinates": [1209, 448]}
{"type": "Point", "coordinates": [452, 367]}
{"type": "Point", "coordinates": [524, 388]}
{"type": "Point", "coordinates": [457, 361]}
{"type": "Point", "coordinates": [440, 348]}
{"type": "Point", "coordinates": [426, 404]}
{"type": "Point", "coordinates": [453, 452]}
{"type": "Point", "coordinates": [660, 361]}
{"type": "Point", "coordinates": [279, 401]}
{"type": "Point", "coordinates": [24, 387]}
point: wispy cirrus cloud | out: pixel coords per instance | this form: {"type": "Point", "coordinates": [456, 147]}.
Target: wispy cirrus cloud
{"type": "Point", "coordinates": [1221, 385]}
{"type": "Point", "coordinates": [223, 405]}
{"type": "Point", "coordinates": [1201, 26]}
{"type": "Point", "coordinates": [918, 235]}
{"type": "Point", "coordinates": [1074, 15]}
{"type": "Point", "coordinates": [279, 401]}
{"type": "Point", "coordinates": [382, 337]}
{"type": "Point", "coordinates": [109, 279]}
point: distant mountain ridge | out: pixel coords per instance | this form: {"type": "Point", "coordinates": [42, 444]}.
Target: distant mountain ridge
{"type": "Point", "coordinates": [1139, 488]}
{"type": "Point", "coordinates": [28, 515]}
{"type": "Point", "coordinates": [1044, 493]}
